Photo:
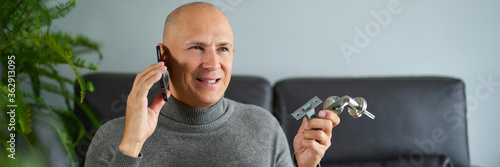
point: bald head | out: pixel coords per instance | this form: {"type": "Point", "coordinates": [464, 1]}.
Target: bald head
{"type": "Point", "coordinates": [199, 9]}
{"type": "Point", "coordinates": [198, 52]}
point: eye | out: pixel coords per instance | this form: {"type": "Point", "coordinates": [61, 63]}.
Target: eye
{"type": "Point", "coordinates": [196, 47]}
{"type": "Point", "coordinates": [224, 49]}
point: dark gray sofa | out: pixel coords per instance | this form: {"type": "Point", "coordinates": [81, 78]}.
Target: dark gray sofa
{"type": "Point", "coordinates": [420, 121]}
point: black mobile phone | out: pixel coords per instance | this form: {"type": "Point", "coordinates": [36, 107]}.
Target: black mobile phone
{"type": "Point", "coordinates": [163, 85]}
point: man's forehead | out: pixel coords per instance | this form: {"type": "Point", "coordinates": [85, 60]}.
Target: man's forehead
{"type": "Point", "coordinates": [203, 20]}
{"type": "Point", "coordinates": [196, 23]}
{"type": "Point", "coordinates": [203, 36]}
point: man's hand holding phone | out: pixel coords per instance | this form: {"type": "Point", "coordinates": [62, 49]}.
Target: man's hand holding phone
{"type": "Point", "coordinates": [141, 120]}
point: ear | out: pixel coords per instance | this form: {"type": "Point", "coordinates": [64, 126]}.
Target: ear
{"type": "Point", "coordinates": [165, 53]}
{"type": "Point", "coordinates": [162, 51]}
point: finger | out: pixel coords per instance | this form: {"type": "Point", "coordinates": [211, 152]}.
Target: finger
{"type": "Point", "coordinates": [152, 78]}
{"type": "Point", "coordinates": [315, 146]}
{"type": "Point", "coordinates": [330, 115]}
{"type": "Point", "coordinates": [146, 82]}
{"type": "Point", "coordinates": [317, 135]}
{"type": "Point", "coordinates": [320, 124]}
{"type": "Point", "coordinates": [158, 102]}
{"type": "Point", "coordinates": [140, 75]}
{"type": "Point", "coordinates": [137, 85]}
{"type": "Point", "coordinates": [154, 71]}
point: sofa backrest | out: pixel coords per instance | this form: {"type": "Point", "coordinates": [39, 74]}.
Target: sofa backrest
{"type": "Point", "coordinates": [250, 90]}
{"type": "Point", "coordinates": [417, 119]}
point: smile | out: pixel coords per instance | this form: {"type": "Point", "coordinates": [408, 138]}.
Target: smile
{"type": "Point", "coordinates": [208, 80]}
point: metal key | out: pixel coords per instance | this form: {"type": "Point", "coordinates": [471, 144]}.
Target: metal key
{"type": "Point", "coordinates": [356, 107]}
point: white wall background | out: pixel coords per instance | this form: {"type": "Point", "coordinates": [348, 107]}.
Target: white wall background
{"type": "Point", "coordinates": [281, 39]}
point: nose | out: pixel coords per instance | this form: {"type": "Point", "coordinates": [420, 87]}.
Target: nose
{"type": "Point", "coordinates": [211, 60]}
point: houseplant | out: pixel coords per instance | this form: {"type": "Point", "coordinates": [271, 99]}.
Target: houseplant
{"type": "Point", "coordinates": [31, 54]}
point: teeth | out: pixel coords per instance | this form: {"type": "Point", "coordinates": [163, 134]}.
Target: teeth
{"type": "Point", "coordinates": [208, 80]}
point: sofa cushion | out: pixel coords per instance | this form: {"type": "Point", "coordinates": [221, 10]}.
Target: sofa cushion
{"type": "Point", "coordinates": [406, 161]}
{"type": "Point", "coordinates": [250, 90]}
{"type": "Point", "coordinates": [418, 117]}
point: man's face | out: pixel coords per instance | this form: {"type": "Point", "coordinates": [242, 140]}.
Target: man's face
{"type": "Point", "coordinates": [201, 47]}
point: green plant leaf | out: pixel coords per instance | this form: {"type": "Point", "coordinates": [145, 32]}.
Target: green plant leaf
{"type": "Point", "coordinates": [26, 33]}
{"type": "Point", "coordinates": [90, 86]}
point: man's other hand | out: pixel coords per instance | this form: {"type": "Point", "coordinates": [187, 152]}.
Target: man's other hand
{"type": "Point", "coordinates": [314, 138]}
{"type": "Point", "coordinates": [141, 120]}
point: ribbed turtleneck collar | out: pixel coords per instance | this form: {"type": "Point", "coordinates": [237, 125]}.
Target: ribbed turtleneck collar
{"type": "Point", "coordinates": [177, 116]}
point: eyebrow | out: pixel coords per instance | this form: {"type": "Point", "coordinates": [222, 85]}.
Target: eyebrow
{"type": "Point", "coordinates": [225, 44]}
{"type": "Point", "coordinates": [205, 44]}
{"type": "Point", "coordinates": [197, 43]}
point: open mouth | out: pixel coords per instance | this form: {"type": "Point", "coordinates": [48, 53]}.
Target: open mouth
{"type": "Point", "coordinates": [208, 80]}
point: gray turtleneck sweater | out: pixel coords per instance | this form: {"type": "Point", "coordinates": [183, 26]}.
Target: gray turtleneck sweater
{"type": "Point", "coordinates": [226, 134]}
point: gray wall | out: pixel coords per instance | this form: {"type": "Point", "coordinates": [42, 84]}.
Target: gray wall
{"type": "Point", "coordinates": [283, 39]}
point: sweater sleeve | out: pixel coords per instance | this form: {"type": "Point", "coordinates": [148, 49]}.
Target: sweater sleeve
{"type": "Point", "coordinates": [284, 159]}
{"type": "Point", "coordinates": [103, 150]}
{"type": "Point", "coordinates": [295, 161]}
{"type": "Point", "coordinates": [121, 159]}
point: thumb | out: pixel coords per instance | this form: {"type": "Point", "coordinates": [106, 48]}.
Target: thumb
{"type": "Point", "coordinates": [303, 126]}
{"type": "Point", "coordinates": [158, 102]}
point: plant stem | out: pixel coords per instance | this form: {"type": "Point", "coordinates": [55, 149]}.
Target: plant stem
{"type": "Point", "coordinates": [31, 148]}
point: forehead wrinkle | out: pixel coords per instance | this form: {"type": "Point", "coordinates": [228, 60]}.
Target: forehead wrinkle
{"type": "Point", "coordinates": [197, 43]}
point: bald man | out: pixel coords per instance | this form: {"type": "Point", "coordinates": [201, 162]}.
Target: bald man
{"type": "Point", "coordinates": [198, 126]}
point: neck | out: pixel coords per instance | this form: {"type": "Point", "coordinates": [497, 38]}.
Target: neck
{"type": "Point", "coordinates": [181, 117]}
